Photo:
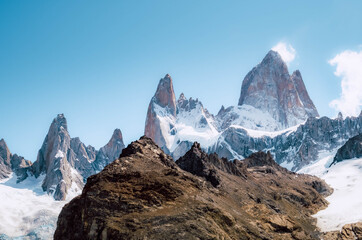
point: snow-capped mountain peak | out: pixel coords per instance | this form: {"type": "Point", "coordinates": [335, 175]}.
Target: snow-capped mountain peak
{"type": "Point", "coordinates": [269, 88]}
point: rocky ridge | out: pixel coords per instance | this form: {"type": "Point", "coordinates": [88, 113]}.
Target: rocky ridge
{"type": "Point", "coordinates": [146, 195]}
{"type": "Point", "coordinates": [295, 147]}
{"type": "Point", "coordinates": [12, 163]}
{"type": "Point", "coordinates": [351, 149]}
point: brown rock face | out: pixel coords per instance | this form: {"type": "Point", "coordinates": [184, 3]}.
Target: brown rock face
{"type": "Point", "coordinates": [348, 232]}
{"type": "Point", "coordinates": [270, 88]}
{"type": "Point", "coordinates": [163, 98]}
{"type": "Point", "coordinates": [145, 195]}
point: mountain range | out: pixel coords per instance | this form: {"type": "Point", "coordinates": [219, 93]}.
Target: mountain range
{"type": "Point", "coordinates": [65, 162]}
{"type": "Point", "coordinates": [274, 114]}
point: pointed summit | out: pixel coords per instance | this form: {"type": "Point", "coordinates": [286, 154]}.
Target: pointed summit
{"type": "Point", "coordinates": [54, 159]}
{"type": "Point", "coordinates": [165, 95]}
{"type": "Point", "coordinates": [164, 100]}
{"type": "Point", "coordinates": [182, 97]}
{"type": "Point", "coordinates": [273, 57]}
{"type": "Point", "coordinates": [303, 94]}
{"type": "Point", "coordinates": [117, 135]}
{"type": "Point", "coordinates": [4, 151]}
{"type": "Point", "coordinates": [12, 163]}
{"type": "Point", "coordinates": [269, 88]}
{"type": "Point", "coordinates": [60, 122]}
{"type": "Point", "coordinates": [110, 151]}
{"type": "Point", "coordinates": [5, 160]}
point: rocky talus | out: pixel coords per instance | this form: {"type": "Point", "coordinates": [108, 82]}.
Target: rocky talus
{"type": "Point", "coordinates": [146, 195]}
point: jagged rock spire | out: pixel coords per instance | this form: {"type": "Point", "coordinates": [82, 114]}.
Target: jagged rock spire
{"type": "Point", "coordinates": [164, 98]}
{"type": "Point", "coordinates": [165, 95]}
{"type": "Point", "coordinates": [270, 88]}
{"type": "Point", "coordinates": [53, 161]}
{"type": "Point", "coordinates": [110, 151]}
{"type": "Point", "coordinates": [12, 163]}
{"type": "Point", "coordinates": [5, 160]}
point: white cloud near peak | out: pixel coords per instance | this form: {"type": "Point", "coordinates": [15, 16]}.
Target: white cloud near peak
{"type": "Point", "coordinates": [286, 51]}
{"type": "Point", "coordinates": [349, 68]}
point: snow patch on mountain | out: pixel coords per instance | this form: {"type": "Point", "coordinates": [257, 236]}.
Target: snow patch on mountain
{"type": "Point", "coordinates": [27, 210]}
{"type": "Point", "coordinates": [249, 117]}
{"type": "Point", "coordinates": [59, 154]}
{"type": "Point", "coordinates": [345, 203]}
{"type": "Point", "coordinates": [259, 133]}
{"type": "Point", "coordinates": [189, 125]}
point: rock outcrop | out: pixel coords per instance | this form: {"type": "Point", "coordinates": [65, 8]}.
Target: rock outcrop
{"type": "Point", "coordinates": [269, 87]}
{"type": "Point", "coordinates": [351, 149]}
{"type": "Point", "coordinates": [349, 232]}
{"type": "Point", "coordinates": [145, 195]}
{"type": "Point", "coordinates": [12, 163]}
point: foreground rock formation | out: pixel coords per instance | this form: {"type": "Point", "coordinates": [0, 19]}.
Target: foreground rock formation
{"type": "Point", "coordinates": [348, 232]}
{"type": "Point", "coordinates": [146, 195]}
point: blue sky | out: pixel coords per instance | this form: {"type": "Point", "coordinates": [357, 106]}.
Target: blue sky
{"type": "Point", "coordinates": [99, 62]}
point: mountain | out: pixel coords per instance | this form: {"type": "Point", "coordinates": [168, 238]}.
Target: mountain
{"type": "Point", "coordinates": [109, 152]}
{"type": "Point", "coordinates": [54, 160]}
{"type": "Point", "coordinates": [31, 192]}
{"type": "Point", "coordinates": [65, 162]}
{"type": "Point", "coordinates": [293, 148]}
{"type": "Point", "coordinates": [162, 105]}
{"type": "Point", "coordinates": [175, 125]}
{"type": "Point", "coordinates": [269, 88]}
{"type": "Point", "coordinates": [146, 195]}
{"type": "Point", "coordinates": [12, 163]}
{"type": "Point", "coordinates": [351, 149]}
{"type": "Point", "coordinates": [275, 113]}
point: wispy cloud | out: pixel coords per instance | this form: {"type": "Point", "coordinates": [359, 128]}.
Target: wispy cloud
{"type": "Point", "coordinates": [349, 68]}
{"type": "Point", "coordinates": [286, 51]}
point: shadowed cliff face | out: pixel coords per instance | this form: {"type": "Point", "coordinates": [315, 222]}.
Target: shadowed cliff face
{"type": "Point", "coordinates": [351, 149]}
{"type": "Point", "coordinates": [146, 195]}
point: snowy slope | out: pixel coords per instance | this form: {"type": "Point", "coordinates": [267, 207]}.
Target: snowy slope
{"type": "Point", "coordinates": [346, 201]}
{"type": "Point", "coordinates": [193, 124]}
{"type": "Point", "coordinates": [27, 210]}
{"type": "Point", "coordinates": [248, 117]}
